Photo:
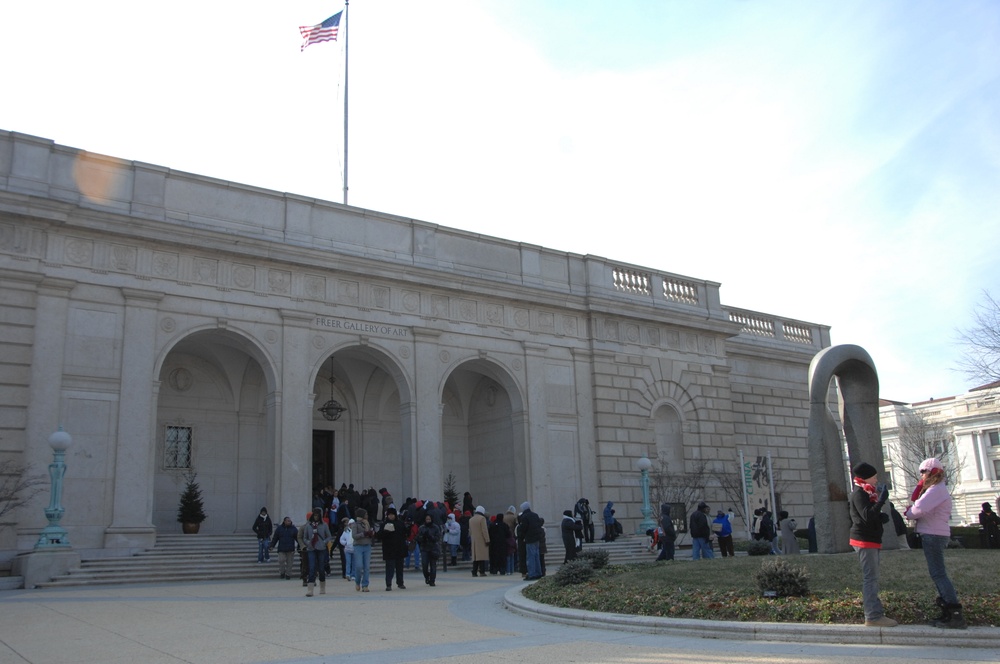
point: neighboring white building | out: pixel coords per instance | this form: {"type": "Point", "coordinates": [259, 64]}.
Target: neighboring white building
{"type": "Point", "coordinates": [174, 322]}
{"type": "Point", "coordinates": [966, 429]}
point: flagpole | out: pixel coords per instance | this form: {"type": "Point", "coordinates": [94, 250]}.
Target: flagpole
{"type": "Point", "coordinates": [346, 37]}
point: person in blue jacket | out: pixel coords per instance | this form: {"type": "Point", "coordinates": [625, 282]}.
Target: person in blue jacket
{"type": "Point", "coordinates": [723, 529]}
{"type": "Point", "coordinates": [609, 522]}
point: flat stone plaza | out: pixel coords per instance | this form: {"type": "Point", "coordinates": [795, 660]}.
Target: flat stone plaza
{"type": "Point", "coordinates": [460, 621]}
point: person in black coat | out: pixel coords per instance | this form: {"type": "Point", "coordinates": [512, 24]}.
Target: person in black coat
{"type": "Point", "coordinates": [701, 533]}
{"type": "Point", "coordinates": [286, 538]}
{"type": "Point", "coordinates": [669, 535]}
{"type": "Point", "coordinates": [990, 522]}
{"type": "Point", "coordinates": [569, 529]}
{"type": "Point", "coordinates": [429, 541]}
{"type": "Point", "coordinates": [393, 537]}
{"type": "Point", "coordinates": [586, 516]}
{"type": "Point", "coordinates": [263, 528]}
{"type": "Point", "coordinates": [867, 521]}
{"type": "Point", "coordinates": [499, 533]}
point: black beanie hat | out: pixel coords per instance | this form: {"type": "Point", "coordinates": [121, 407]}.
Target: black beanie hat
{"type": "Point", "coordinates": [864, 470]}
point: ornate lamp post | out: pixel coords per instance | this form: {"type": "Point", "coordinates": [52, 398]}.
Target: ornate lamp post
{"type": "Point", "coordinates": [54, 536]}
{"type": "Point", "coordinates": [647, 522]}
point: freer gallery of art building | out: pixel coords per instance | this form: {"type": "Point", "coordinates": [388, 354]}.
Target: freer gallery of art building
{"type": "Point", "coordinates": [173, 323]}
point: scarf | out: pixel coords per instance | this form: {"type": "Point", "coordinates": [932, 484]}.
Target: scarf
{"type": "Point", "coordinates": [869, 489]}
{"type": "Point", "coordinates": [315, 538]}
{"type": "Point", "coordinates": [917, 492]}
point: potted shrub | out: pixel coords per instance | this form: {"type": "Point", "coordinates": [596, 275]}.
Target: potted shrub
{"type": "Point", "coordinates": [191, 511]}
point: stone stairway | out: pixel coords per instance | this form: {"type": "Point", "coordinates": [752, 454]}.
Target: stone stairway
{"type": "Point", "coordinates": [7, 580]}
{"type": "Point", "coordinates": [227, 557]}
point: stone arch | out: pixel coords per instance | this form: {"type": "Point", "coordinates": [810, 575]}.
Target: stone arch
{"type": "Point", "coordinates": [215, 384]}
{"type": "Point", "coordinates": [373, 437]}
{"type": "Point", "coordinates": [858, 382]}
{"type": "Point", "coordinates": [672, 433]}
{"type": "Point", "coordinates": [483, 433]}
{"type": "Point", "coordinates": [668, 433]}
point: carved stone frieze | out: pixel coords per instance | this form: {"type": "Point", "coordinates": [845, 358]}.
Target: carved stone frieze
{"type": "Point", "coordinates": [348, 291]}
{"type": "Point", "coordinates": [78, 251]}
{"type": "Point", "coordinates": [279, 281]}
{"type": "Point", "coordinates": [123, 258]}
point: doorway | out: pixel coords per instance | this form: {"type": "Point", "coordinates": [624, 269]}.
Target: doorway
{"type": "Point", "coordinates": [322, 459]}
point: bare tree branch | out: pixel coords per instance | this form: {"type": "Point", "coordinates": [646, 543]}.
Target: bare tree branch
{"type": "Point", "coordinates": [18, 486]}
{"type": "Point", "coordinates": [917, 440]}
{"type": "Point", "coordinates": [981, 341]}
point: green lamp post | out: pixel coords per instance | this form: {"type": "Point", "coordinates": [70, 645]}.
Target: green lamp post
{"type": "Point", "coordinates": [647, 522]}
{"type": "Point", "coordinates": [54, 536]}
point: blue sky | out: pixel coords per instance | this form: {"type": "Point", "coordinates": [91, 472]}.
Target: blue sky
{"type": "Point", "coordinates": [832, 162]}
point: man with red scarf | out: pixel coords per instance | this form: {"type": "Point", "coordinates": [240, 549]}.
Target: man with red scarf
{"type": "Point", "coordinates": [866, 538]}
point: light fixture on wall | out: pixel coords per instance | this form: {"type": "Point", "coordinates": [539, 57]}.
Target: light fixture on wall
{"type": "Point", "coordinates": [332, 410]}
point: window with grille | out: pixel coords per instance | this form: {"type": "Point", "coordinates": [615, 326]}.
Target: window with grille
{"type": "Point", "coordinates": [177, 450]}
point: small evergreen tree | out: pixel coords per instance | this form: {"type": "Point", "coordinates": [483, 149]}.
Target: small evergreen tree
{"type": "Point", "coordinates": [450, 492]}
{"type": "Point", "coordinates": [191, 508]}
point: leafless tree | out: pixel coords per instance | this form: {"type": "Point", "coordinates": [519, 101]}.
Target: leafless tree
{"type": "Point", "coordinates": [18, 486]}
{"type": "Point", "coordinates": [981, 342]}
{"type": "Point", "coordinates": [919, 439]}
{"type": "Point", "coordinates": [667, 485]}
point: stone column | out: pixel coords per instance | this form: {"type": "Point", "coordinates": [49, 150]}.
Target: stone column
{"type": "Point", "coordinates": [44, 394]}
{"type": "Point", "coordinates": [426, 444]}
{"type": "Point", "coordinates": [583, 376]}
{"type": "Point", "coordinates": [536, 452]}
{"type": "Point", "coordinates": [132, 521]}
{"type": "Point", "coordinates": [293, 403]}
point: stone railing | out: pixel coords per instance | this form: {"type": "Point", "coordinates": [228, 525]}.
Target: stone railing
{"type": "Point", "coordinates": [756, 324]}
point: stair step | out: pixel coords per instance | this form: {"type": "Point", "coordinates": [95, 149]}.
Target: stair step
{"type": "Point", "coordinates": [11, 582]}
{"type": "Point", "coordinates": [210, 558]}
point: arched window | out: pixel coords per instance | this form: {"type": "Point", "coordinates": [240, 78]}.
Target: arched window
{"type": "Point", "coordinates": [668, 436]}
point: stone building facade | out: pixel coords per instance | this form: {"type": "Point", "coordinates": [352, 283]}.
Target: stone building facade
{"type": "Point", "coordinates": [173, 323]}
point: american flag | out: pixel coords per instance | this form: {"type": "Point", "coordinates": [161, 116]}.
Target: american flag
{"type": "Point", "coordinates": [324, 32]}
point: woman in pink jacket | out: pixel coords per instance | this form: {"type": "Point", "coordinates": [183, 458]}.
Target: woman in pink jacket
{"type": "Point", "coordinates": [931, 509]}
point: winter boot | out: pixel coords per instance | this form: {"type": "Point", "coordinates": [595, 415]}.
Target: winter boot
{"type": "Point", "coordinates": [322, 587]}
{"type": "Point", "coordinates": [953, 618]}
{"type": "Point", "coordinates": [309, 593]}
{"type": "Point", "coordinates": [944, 613]}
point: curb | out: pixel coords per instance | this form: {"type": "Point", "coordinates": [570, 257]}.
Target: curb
{"type": "Point", "coordinates": [919, 635]}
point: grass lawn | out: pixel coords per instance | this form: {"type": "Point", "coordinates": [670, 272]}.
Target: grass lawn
{"type": "Point", "coordinates": [726, 589]}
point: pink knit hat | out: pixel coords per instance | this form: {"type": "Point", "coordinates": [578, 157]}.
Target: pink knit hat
{"type": "Point", "coordinates": [931, 464]}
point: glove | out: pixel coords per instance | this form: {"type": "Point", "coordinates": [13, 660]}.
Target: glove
{"type": "Point", "coordinates": [883, 496]}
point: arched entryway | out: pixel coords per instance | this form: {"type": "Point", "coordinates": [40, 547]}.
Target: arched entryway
{"type": "Point", "coordinates": [213, 419]}
{"type": "Point", "coordinates": [483, 437]}
{"type": "Point", "coordinates": [368, 445]}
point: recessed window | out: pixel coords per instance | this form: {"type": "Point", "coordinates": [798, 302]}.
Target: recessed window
{"type": "Point", "coordinates": [177, 448]}
{"type": "Point", "coordinates": [996, 469]}
{"type": "Point", "coordinates": [994, 438]}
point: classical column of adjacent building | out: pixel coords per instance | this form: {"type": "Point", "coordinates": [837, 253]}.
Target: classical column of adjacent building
{"type": "Point", "coordinates": [45, 389]}
{"type": "Point", "coordinates": [293, 405]}
{"type": "Point", "coordinates": [537, 409]}
{"type": "Point", "coordinates": [583, 377]}
{"type": "Point", "coordinates": [132, 520]}
{"type": "Point", "coordinates": [426, 443]}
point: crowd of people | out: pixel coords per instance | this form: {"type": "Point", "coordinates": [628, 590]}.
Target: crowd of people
{"type": "Point", "coordinates": [419, 534]}
{"type": "Point", "coordinates": [423, 534]}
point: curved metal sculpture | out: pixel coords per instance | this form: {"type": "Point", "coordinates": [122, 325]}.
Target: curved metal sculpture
{"type": "Point", "coordinates": [858, 383]}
